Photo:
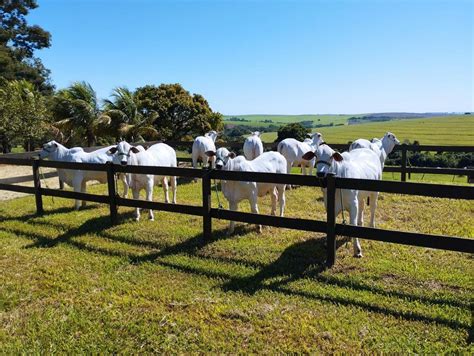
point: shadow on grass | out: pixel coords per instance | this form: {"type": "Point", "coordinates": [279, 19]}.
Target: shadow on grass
{"type": "Point", "coordinates": [301, 260]}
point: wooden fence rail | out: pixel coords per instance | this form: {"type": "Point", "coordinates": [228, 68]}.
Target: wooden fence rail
{"type": "Point", "coordinates": [331, 183]}
{"type": "Point", "coordinates": [404, 169]}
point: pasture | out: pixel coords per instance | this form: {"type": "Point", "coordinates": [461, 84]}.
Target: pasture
{"type": "Point", "coordinates": [71, 283]}
{"type": "Point", "coordinates": [447, 130]}
{"type": "Point", "coordinates": [279, 120]}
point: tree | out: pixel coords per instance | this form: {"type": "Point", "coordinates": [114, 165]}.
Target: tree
{"type": "Point", "coordinates": [178, 113]}
{"type": "Point", "coordinates": [294, 130]}
{"type": "Point", "coordinates": [19, 41]}
{"type": "Point", "coordinates": [125, 119]}
{"type": "Point", "coordinates": [22, 115]}
{"type": "Point", "coordinates": [77, 114]}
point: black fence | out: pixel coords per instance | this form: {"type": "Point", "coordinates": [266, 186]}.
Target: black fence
{"type": "Point", "coordinates": [404, 169]}
{"type": "Point", "coordinates": [208, 213]}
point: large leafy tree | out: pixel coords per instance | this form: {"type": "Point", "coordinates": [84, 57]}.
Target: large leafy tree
{"type": "Point", "coordinates": [293, 130]}
{"type": "Point", "coordinates": [126, 121]}
{"type": "Point", "coordinates": [77, 114]}
{"type": "Point", "coordinates": [22, 115]}
{"type": "Point", "coordinates": [19, 41]}
{"type": "Point", "coordinates": [178, 113]}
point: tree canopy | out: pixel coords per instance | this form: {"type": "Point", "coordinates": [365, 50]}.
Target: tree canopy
{"type": "Point", "coordinates": [19, 41]}
{"type": "Point", "coordinates": [23, 118]}
{"type": "Point", "coordinates": [178, 113]}
{"type": "Point", "coordinates": [294, 130]}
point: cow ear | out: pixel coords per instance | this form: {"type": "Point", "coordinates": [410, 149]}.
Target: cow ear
{"type": "Point", "coordinates": [55, 145]}
{"type": "Point", "coordinates": [337, 156]}
{"type": "Point", "coordinates": [210, 153]}
{"type": "Point", "coordinates": [231, 155]}
{"type": "Point", "coordinates": [112, 150]}
{"type": "Point", "coordinates": [134, 149]}
{"type": "Point", "coordinates": [308, 156]}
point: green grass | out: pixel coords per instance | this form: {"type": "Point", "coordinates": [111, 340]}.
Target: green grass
{"type": "Point", "coordinates": [73, 284]}
{"type": "Point", "coordinates": [446, 130]}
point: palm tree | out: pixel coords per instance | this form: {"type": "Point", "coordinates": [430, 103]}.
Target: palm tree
{"type": "Point", "coordinates": [77, 113]}
{"type": "Point", "coordinates": [125, 118]}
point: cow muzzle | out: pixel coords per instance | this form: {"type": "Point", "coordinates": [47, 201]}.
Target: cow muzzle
{"type": "Point", "coordinates": [321, 174]}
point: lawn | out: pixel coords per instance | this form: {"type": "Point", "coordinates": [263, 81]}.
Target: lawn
{"type": "Point", "coordinates": [446, 130]}
{"type": "Point", "coordinates": [71, 283]}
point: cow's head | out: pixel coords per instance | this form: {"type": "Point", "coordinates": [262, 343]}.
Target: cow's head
{"type": "Point", "coordinates": [48, 149]}
{"type": "Point", "coordinates": [222, 156]}
{"type": "Point", "coordinates": [256, 133]}
{"type": "Point", "coordinates": [212, 135]}
{"type": "Point", "coordinates": [390, 141]}
{"type": "Point", "coordinates": [121, 153]}
{"type": "Point", "coordinates": [325, 157]}
{"type": "Point", "coordinates": [316, 138]}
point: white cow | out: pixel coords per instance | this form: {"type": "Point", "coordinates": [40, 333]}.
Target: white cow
{"type": "Point", "coordinates": [253, 146]}
{"type": "Point", "coordinates": [160, 155]}
{"type": "Point", "coordinates": [77, 178]}
{"type": "Point", "coordinates": [359, 164]}
{"type": "Point", "coordinates": [201, 145]}
{"type": "Point", "coordinates": [236, 191]}
{"type": "Point", "coordinates": [382, 146]}
{"type": "Point", "coordinates": [293, 150]}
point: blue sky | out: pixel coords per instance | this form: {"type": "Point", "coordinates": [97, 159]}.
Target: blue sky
{"type": "Point", "coordinates": [270, 56]}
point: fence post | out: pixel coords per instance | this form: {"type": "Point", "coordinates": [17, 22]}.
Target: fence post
{"type": "Point", "coordinates": [61, 184]}
{"type": "Point", "coordinates": [206, 205]}
{"type": "Point", "coordinates": [37, 185]}
{"type": "Point", "coordinates": [331, 220]}
{"type": "Point", "coordinates": [404, 163]}
{"type": "Point", "coordinates": [112, 193]}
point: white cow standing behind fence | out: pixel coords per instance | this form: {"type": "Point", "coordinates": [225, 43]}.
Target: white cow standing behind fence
{"type": "Point", "coordinates": [236, 191]}
{"type": "Point", "coordinates": [383, 147]}
{"type": "Point", "coordinates": [201, 145]}
{"type": "Point", "coordinates": [293, 150]}
{"type": "Point", "coordinates": [160, 155]}
{"type": "Point", "coordinates": [360, 163]}
{"type": "Point", "coordinates": [253, 146]}
{"type": "Point", "coordinates": [77, 178]}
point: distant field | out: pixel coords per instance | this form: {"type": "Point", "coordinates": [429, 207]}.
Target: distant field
{"type": "Point", "coordinates": [263, 120]}
{"type": "Point", "coordinates": [447, 130]}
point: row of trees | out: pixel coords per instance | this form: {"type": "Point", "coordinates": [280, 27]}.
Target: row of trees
{"type": "Point", "coordinates": [74, 116]}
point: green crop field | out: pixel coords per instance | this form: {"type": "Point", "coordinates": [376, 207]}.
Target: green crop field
{"type": "Point", "coordinates": [73, 284]}
{"type": "Point", "coordinates": [446, 130]}
{"type": "Point", "coordinates": [279, 120]}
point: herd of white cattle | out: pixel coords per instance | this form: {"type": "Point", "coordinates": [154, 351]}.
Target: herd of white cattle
{"type": "Point", "coordinates": [364, 160]}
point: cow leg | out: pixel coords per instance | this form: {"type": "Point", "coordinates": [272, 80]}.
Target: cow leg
{"type": "Point", "coordinates": [174, 188]}
{"type": "Point", "coordinates": [303, 168]}
{"type": "Point", "coordinates": [213, 162]}
{"type": "Point", "coordinates": [77, 185]}
{"type": "Point", "coordinates": [136, 196]}
{"type": "Point", "coordinates": [83, 190]}
{"type": "Point", "coordinates": [205, 162]}
{"type": "Point", "coordinates": [353, 221]}
{"type": "Point", "coordinates": [254, 207]}
{"type": "Point", "coordinates": [164, 183]}
{"type": "Point", "coordinates": [274, 197]}
{"type": "Point", "coordinates": [195, 160]}
{"type": "Point", "coordinates": [373, 206]}
{"type": "Point", "coordinates": [232, 206]}
{"type": "Point", "coordinates": [288, 171]}
{"type": "Point", "coordinates": [149, 195]}
{"type": "Point", "coordinates": [281, 198]}
{"type": "Point", "coordinates": [123, 178]}
{"type": "Point", "coordinates": [360, 213]}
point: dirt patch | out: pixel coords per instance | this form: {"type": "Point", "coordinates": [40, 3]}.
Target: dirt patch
{"type": "Point", "coordinates": [7, 171]}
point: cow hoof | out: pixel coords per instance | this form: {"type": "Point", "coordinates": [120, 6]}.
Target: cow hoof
{"type": "Point", "coordinates": [152, 219]}
{"type": "Point", "coordinates": [137, 219]}
{"type": "Point", "coordinates": [358, 255]}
